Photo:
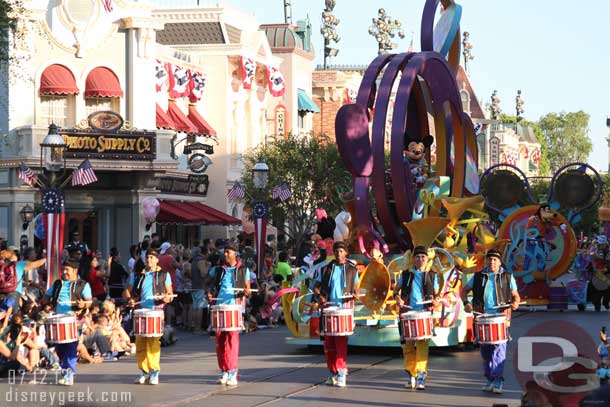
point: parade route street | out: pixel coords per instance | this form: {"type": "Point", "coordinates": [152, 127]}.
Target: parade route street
{"type": "Point", "coordinates": [277, 374]}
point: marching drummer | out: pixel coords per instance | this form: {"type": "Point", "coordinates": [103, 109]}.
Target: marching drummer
{"type": "Point", "coordinates": [226, 283]}
{"type": "Point", "coordinates": [149, 287]}
{"type": "Point", "coordinates": [416, 290]}
{"type": "Point", "coordinates": [492, 288]}
{"type": "Point", "coordinates": [336, 285]}
{"type": "Point", "coordinates": [68, 295]}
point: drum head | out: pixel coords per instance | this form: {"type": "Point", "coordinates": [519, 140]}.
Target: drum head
{"type": "Point", "coordinates": [574, 189]}
{"type": "Point", "coordinates": [502, 189]}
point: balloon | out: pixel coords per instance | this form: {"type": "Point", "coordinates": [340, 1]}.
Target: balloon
{"type": "Point", "coordinates": [151, 208]}
{"type": "Point", "coordinates": [39, 226]}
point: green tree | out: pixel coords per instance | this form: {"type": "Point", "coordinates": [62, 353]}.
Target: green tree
{"type": "Point", "coordinates": [544, 161]}
{"type": "Point", "coordinates": [9, 26]}
{"type": "Point", "coordinates": [567, 137]}
{"type": "Point", "coordinates": [313, 169]}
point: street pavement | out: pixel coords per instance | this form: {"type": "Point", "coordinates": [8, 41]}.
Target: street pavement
{"type": "Point", "coordinates": [273, 373]}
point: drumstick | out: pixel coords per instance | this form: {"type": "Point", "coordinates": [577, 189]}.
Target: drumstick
{"type": "Point", "coordinates": [507, 305]}
{"type": "Point", "coordinates": [255, 290]}
{"type": "Point", "coordinates": [74, 302]}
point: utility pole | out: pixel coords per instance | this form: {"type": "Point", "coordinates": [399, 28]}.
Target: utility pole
{"type": "Point", "coordinates": [288, 11]}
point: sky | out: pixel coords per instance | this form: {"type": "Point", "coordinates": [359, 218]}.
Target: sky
{"type": "Point", "coordinates": [554, 51]}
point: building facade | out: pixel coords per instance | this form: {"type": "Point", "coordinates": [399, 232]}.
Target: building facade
{"type": "Point", "coordinates": [200, 77]}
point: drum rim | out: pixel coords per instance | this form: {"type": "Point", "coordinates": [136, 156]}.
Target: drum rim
{"type": "Point", "coordinates": [147, 312]}
{"type": "Point", "coordinates": [339, 311]}
{"type": "Point", "coordinates": [225, 306]}
{"type": "Point", "coordinates": [422, 313]}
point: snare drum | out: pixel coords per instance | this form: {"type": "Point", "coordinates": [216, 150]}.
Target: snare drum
{"type": "Point", "coordinates": [338, 321]}
{"type": "Point", "coordinates": [491, 329]}
{"type": "Point", "coordinates": [226, 318]}
{"type": "Point", "coordinates": [416, 325]}
{"type": "Point", "coordinates": [61, 328]}
{"type": "Point", "coordinates": [148, 323]}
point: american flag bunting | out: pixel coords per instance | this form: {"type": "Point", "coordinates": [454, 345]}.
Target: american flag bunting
{"type": "Point", "coordinates": [27, 175]}
{"type": "Point", "coordinates": [281, 192]}
{"type": "Point", "coordinates": [84, 174]}
{"type": "Point", "coordinates": [237, 192]}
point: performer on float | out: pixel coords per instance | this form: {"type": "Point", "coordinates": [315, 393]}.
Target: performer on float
{"type": "Point", "coordinates": [414, 157]}
{"type": "Point", "coordinates": [537, 228]}
{"type": "Point", "coordinates": [492, 288]}
{"type": "Point", "coordinates": [598, 291]}
{"type": "Point", "coordinates": [151, 288]}
{"type": "Point", "coordinates": [336, 285]}
{"type": "Point", "coordinates": [227, 283]}
{"type": "Point", "coordinates": [67, 296]}
{"type": "Point", "coordinates": [416, 290]}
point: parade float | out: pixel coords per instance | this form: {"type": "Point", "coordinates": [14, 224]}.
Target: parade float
{"type": "Point", "coordinates": [401, 202]}
{"type": "Point", "coordinates": [408, 202]}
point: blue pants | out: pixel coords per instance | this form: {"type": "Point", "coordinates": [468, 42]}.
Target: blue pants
{"type": "Point", "coordinates": [494, 357]}
{"type": "Point", "coordinates": [67, 355]}
{"type": "Point", "coordinates": [535, 250]}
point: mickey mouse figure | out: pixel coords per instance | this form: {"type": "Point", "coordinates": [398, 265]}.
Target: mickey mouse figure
{"type": "Point", "coordinates": [414, 156]}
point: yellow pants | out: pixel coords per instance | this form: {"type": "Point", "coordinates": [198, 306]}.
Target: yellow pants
{"type": "Point", "coordinates": [148, 353]}
{"type": "Point", "coordinates": [415, 355]}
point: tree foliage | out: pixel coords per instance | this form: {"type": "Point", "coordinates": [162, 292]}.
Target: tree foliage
{"type": "Point", "coordinates": [313, 169]}
{"type": "Point", "coordinates": [567, 137]}
{"type": "Point", "coordinates": [544, 161]}
{"type": "Point", "coordinates": [9, 24]}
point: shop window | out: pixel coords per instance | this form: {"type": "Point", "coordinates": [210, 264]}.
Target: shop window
{"type": "Point", "coordinates": [58, 109]}
{"type": "Point", "coordinates": [96, 104]}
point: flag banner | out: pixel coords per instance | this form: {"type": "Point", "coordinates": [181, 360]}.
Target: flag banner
{"type": "Point", "coordinates": [161, 75]}
{"type": "Point", "coordinates": [84, 174]}
{"type": "Point", "coordinates": [53, 219]}
{"type": "Point", "coordinates": [237, 192]}
{"type": "Point", "coordinates": [248, 71]}
{"type": "Point", "coordinates": [27, 175]}
{"type": "Point", "coordinates": [197, 84]}
{"type": "Point", "coordinates": [179, 80]}
{"type": "Point", "coordinates": [260, 232]}
{"type": "Point", "coordinates": [275, 79]}
{"type": "Point", "coordinates": [281, 192]}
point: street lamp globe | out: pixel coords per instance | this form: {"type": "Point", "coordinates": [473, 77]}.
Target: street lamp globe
{"type": "Point", "coordinates": [52, 150]}
{"type": "Point", "coordinates": [260, 174]}
{"type": "Point", "coordinates": [27, 214]}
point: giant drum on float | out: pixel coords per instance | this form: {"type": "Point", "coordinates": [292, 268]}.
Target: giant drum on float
{"type": "Point", "coordinates": [61, 328]}
{"type": "Point", "coordinates": [226, 318]}
{"type": "Point", "coordinates": [491, 329]}
{"type": "Point", "coordinates": [338, 321]}
{"type": "Point", "coordinates": [148, 323]}
{"type": "Point", "coordinates": [416, 325]}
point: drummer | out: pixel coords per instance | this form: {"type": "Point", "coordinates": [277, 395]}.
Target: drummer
{"type": "Point", "coordinates": [416, 290]}
{"type": "Point", "coordinates": [222, 282]}
{"type": "Point", "coordinates": [150, 283]}
{"type": "Point", "coordinates": [336, 285]}
{"type": "Point", "coordinates": [68, 295]}
{"type": "Point", "coordinates": [491, 287]}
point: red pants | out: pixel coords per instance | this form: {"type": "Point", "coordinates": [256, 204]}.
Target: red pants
{"type": "Point", "coordinates": [335, 350]}
{"type": "Point", "coordinates": [227, 350]}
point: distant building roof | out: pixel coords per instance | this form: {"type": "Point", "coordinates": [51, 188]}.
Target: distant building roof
{"type": "Point", "coordinates": [526, 133]}
{"type": "Point", "coordinates": [463, 82]}
{"type": "Point", "coordinates": [191, 34]}
{"type": "Point", "coordinates": [343, 68]}
{"type": "Point", "coordinates": [282, 36]}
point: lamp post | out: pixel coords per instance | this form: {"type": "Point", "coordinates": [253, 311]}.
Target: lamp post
{"type": "Point", "coordinates": [519, 106]}
{"type": "Point", "coordinates": [328, 29]}
{"type": "Point", "coordinates": [260, 211]}
{"type": "Point", "coordinates": [52, 155]}
{"type": "Point", "coordinates": [51, 182]}
{"type": "Point", "coordinates": [27, 215]}
{"type": "Point", "coordinates": [384, 29]}
{"type": "Point", "coordinates": [467, 46]}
